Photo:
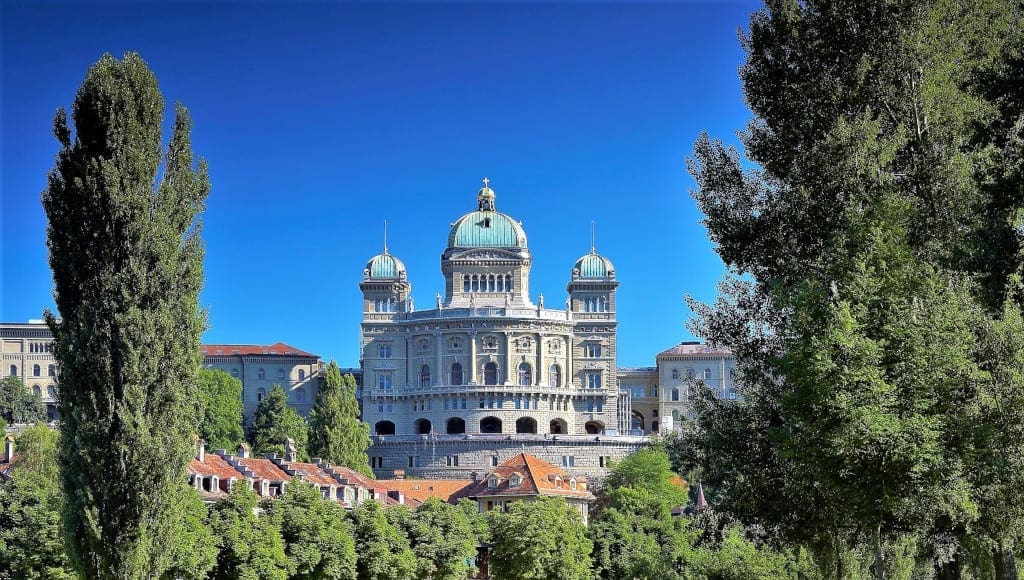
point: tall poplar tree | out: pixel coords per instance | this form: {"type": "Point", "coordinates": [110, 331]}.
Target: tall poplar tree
{"type": "Point", "coordinates": [335, 432]}
{"type": "Point", "coordinates": [127, 259]}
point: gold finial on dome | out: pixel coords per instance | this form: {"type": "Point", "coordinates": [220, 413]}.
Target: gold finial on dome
{"type": "Point", "coordinates": [485, 197]}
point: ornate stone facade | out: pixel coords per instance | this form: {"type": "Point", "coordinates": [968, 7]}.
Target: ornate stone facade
{"type": "Point", "coordinates": [488, 364]}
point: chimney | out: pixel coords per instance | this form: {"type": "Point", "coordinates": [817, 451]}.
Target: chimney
{"type": "Point", "coordinates": [290, 451]}
{"type": "Point", "coordinates": [201, 454]}
{"type": "Point", "coordinates": [243, 450]}
{"type": "Point", "coordinates": [9, 448]}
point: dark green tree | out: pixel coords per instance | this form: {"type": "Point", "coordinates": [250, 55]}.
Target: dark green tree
{"type": "Point", "coordinates": [31, 544]}
{"type": "Point", "coordinates": [189, 549]}
{"type": "Point", "coordinates": [126, 256]}
{"type": "Point", "coordinates": [248, 545]}
{"type": "Point", "coordinates": [382, 550]}
{"type": "Point", "coordinates": [335, 432]}
{"type": "Point", "coordinates": [540, 539]}
{"type": "Point", "coordinates": [274, 422]}
{"type": "Point", "coordinates": [18, 404]}
{"type": "Point", "coordinates": [317, 538]}
{"type": "Point", "coordinates": [440, 536]}
{"type": "Point", "coordinates": [220, 397]}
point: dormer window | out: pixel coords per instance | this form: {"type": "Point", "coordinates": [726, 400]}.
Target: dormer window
{"type": "Point", "coordinates": [515, 480]}
{"type": "Point", "coordinates": [487, 222]}
{"type": "Point", "coordinates": [572, 484]}
{"type": "Point", "coordinates": [492, 482]}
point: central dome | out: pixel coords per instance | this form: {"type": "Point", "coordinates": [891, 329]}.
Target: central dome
{"type": "Point", "coordinates": [486, 227]}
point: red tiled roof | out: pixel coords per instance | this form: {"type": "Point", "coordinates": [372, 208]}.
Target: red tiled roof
{"type": "Point", "coordinates": [311, 473]}
{"type": "Point", "coordinates": [278, 349]}
{"type": "Point", "coordinates": [213, 464]}
{"type": "Point", "coordinates": [538, 478]}
{"type": "Point", "coordinates": [422, 489]}
{"type": "Point", "coordinates": [694, 348]}
{"type": "Point", "coordinates": [264, 469]}
{"type": "Point", "coordinates": [354, 476]}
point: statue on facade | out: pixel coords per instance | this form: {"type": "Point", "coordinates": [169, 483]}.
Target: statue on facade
{"type": "Point", "coordinates": [438, 300]}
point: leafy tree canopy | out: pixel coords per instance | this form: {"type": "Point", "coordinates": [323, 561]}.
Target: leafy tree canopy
{"type": "Point", "coordinates": [335, 432]}
{"type": "Point", "coordinates": [540, 539]}
{"type": "Point", "coordinates": [274, 422]}
{"type": "Point", "coordinates": [382, 550]}
{"type": "Point", "coordinates": [18, 404]}
{"type": "Point", "coordinates": [220, 396]}
{"type": "Point", "coordinates": [317, 538]}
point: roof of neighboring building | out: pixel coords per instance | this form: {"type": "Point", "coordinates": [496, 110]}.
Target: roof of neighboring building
{"type": "Point", "coordinates": [538, 477]}
{"type": "Point", "coordinates": [264, 469]}
{"type": "Point", "coordinates": [276, 349]}
{"type": "Point", "coordinates": [311, 473]}
{"type": "Point", "coordinates": [694, 348]}
{"type": "Point", "coordinates": [354, 476]}
{"type": "Point", "coordinates": [422, 489]}
{"type": "Point", "coordinates": [213, 464]}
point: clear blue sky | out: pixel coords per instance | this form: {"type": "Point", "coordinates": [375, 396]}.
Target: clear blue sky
{"type": "Point", "coordinates": [319, 121]}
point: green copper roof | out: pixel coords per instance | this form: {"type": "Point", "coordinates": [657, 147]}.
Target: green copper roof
{"type": "Point", "coordinates": [594, 266]}
{"type": "Point", "coordinates": [486, 229]}
{"type": "Point", "coordinates": [385, 266]}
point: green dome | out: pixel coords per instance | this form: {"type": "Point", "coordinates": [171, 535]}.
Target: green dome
{"type": "Point", "coordinates": [385, 266]}
{"type": "Point", "coordinates": [593, 266]}
{"type": "Point", "coordinates": [486, 229]}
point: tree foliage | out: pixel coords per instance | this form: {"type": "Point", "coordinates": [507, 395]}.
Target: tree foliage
{"type": "Point", "coordinates": [274, 422]}
{"type": "Point", "coordinates": [440, 536]}
{"type": "Point", "coordinates": [382, 550]}
{"type": "Point", "coordinates": [867, 246]}
{"type": "Point", "coordinates": [220, 399]}
{"type": "Point", "coordinates": [126, 256]}
{"type": "Point", "coordinates": [18, 404]}
{"type": "Point", "coordinates": [249, 546]}
{"type": "Point", "coordinates": [335, 432]}
{"type": "Point", "coordinates": [317, 538]}
{"type": "Point", "coordinates": [540, 539]}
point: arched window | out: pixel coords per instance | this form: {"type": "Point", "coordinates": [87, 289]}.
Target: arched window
{"type": "Point", "coordinates": [51, 392]}
{"type": "Point", "coordinates": [675, 373]}
{"type": "Point", "coordinates": [602, 304]}
{"type": "Point", "coordinates": [384, 428]}
{"type": "Point", "coordinates": [456, 425]}
{"type": "Point", "coordinates": [594, 427]}
{"type": "Point", "coordinates": [525, 376]}
{"type": "Point", "coordinates": [637, 421]}
{"type": "Point", "coordinates": [425, 376]}
{"type": "Point", "coordinates": [423, 427]}
{"type": "Point", "coordinates": [302, 375]}
{"type": "Point", "coordinates": [37, 391]}
{"type": "Point", "coordinates": [690, 373]}
{"type": "Point", "coordinates": [707, 373]}
{"type": "Point", "coordinates": [508, 282]}
{"type": "Point", "coordinates": [261, 375]}
{"type": "Point", "coordinates": [14, 370]}
{"type": "Point", "coordinates": [501, 284]}
{"type": "Point", "coordinates": [675, 394]}
{"type": "Point", "coordinates": [51, 370]}
{"type": "Point", "coordinates": [37, 371]}
{"type": "Point", "coordinates": [261, 394]}
{"type": "Point", "coordinates": [491, 373]}
{"type": "Point", "coordinates": [465, 283]}
{"type": "Point", "coordinates": [555, 376]}
{"type": "Point", "coordinates": [526, 425]}
{"type": "Point", "coordinates": [476, 284]}
{"type": "Point", "coordinates": [490, 283]}
{"type": "Point", "coordinates": [490, 425]}
{"type": "Point", "coordinates": [456, 374]}
{"type": "Point", "coordinates": [280, 374]}
{"type": "Point", "coordinates": [558, 427]}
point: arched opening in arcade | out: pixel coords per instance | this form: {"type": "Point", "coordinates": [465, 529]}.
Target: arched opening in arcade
{"type": "Point", "coordinates": [384, 428]}
{"type": "Point", "coordinates": [558, 427]}
{"type": "Point", "coordinates": [594, 427]}
{"type": "Point", "coordinates": [491, 373]}
{"type": "Point", "coordinates": [490, 425]}
{"type": "Point", "coordinates": [423, 427]}
{"type": "Point", "coordinates": [455, 426]}
{"type": "Point", "coordinates": [526, 425]}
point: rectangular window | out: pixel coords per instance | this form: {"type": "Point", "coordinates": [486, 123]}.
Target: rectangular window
{"type": "Point", "coordinates": [463, 404]}
{"type": "Point", "coordinates": [593, 350]}
{"type": "Point", "coordinates": [518, 402]}
{"type": "Point", "coordinates": [411, 460]}
{"type": "Point", "coordinates": [568, 461]}
{"type": "Point", "coordinates": [447, 404]}
{"type": "Point", "coordinates": [385, 350]}
{"type": "Point", "coordinates": [380, 407]}
{"type": "Point", "coordinates": [594, 380]}
{"type": "Point", "coordinates": [384, 380]}
{"type": "Point", "coordinates": [494, 461]}
{"type": "Point", "coordinates": [638, 391]}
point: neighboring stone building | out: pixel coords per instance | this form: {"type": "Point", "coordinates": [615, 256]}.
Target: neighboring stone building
{"type": "Point", "coordinates": [260, 368]}
{"type": "Point", "coordinates": [27, 351]}
{"type": "Point", "coordinates": [688, 364]}
{"type": "Point", "coordinates": [487, 373]}
{"type": "Point", "coordinates": [28, 354]}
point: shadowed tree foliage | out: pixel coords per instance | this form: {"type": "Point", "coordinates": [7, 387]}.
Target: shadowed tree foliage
{"type": "Point", "coordinates": [335, 432]}
{"type": "Point", "coordinates": [273, 422]}
{"type": "Point", "coordinates": [317, 538]}
{"type": "Point", "coordinates": [440, 536]}
{"type": "Point", "coordinates": [539, 539]}
{"type": "Point", "coordinates": [382, 550]}
{"type": "Point", "coordinates": [220, 422]}
{"type": "Point", "coordinates": [126, 256]}
{"type": "Point", "coordinates": [18, 404]}
{"type": "Point", "coordinates": [248, 545]}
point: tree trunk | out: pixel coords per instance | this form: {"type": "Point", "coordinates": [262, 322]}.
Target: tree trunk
{"type": "Point", "coordinates": [1005, 563]}
{"type": "Point", "coordinates": [949, 570]}
{"type": "Point", "coordinates": [879, 555]}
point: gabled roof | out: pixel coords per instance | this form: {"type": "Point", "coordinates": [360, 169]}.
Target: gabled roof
{"type": "Point", "coordinates": [312, 473]}
{"type": "Point", "coordinates": [354, 476]}
{"type": "Point", "coordinates": [538, 477]}
{"type": "Point", "coordinates": [213, 464]}
{"type": "Point", "coordinates": [264, 469]}
{"type": "Point", "coordinates": [276, 349]}
{"type": "Point", "coordinates": [694, 348]}
{"type": "Point", "coordinates": [423, 489]}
